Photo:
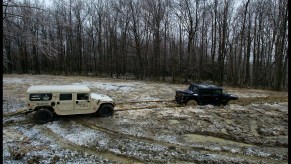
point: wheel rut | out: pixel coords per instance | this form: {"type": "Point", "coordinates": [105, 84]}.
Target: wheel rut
{"type": "Point", "coordinates": [69, 145]}
{"type": "Point", "coordinates": [198, 149]}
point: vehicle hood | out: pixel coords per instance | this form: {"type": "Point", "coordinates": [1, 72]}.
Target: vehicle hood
{"type": "Point", "coordinates": [101, 97]}
{"type": "Point", "coordinates": [185, 91]}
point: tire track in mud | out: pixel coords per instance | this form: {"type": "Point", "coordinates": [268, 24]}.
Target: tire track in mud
{"type": "Point", "coordinates": [18, 112]}
{"type": "Point", "coordinates": [123, 106]}
{"type": "Point", "coordinates": [125, 159]}
{"type": "Point", "coordinates": [158, 101]}
{"type": "Point", "coordinates": [249, 121]}
{"type": "Point", "coordinates": [9, 121]}
{"type": "Point", "coordinates": [69, 145]}
{"type": "Point", "coordinates": [243, 101]}
{"type": "Point", "coordinates": [16, 123]}
{"type": "Point", "coordinates": [201, 150]}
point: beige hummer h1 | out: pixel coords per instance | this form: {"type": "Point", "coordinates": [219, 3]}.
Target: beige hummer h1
{"type": "Point", "coordinates": [49, 100]}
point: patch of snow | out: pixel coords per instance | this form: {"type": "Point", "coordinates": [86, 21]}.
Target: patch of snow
{"type": "Point", "coordinates": [167, 138]}
{"type": "Point", "coordinates": [234, 150]}
{"type": "Point", "coordinates": [205, 106]}
{"type": "Point", "coordinates": [134, 114]}
{"type": "Point", "coordinates": [251, 151]}
{"type": "Point", "coordinates": [14, 119]}
{"type": "Point", "coordinates": [195, 110]}
{"type": "Point", "coordinates": [35, 136]}
{"type": "Point", "coordinates": [116, 151]}
{"type": "Point", "coordinates": [215, 148]}
{"type": "Point", "coordinates": [80, 135]}
{"type": "Point", "coordinates": [244, 95]}
{"type": "Point", "coordinates": [11, 134]}
{"type": "Point", "coordinates": [177, 112]}
{"type": "Point", "coordinates": [125, 87]}
{"type": "Point", "coordinates": [280, 106]}
{"type": "Point", "coordinates": [12, 105]}
{"type": "Point", "coordinates": [8, 80]}
{"type": "Point", "coordinates": [235, 107]}
{"type": "Point", "coordinates": [148, 98]}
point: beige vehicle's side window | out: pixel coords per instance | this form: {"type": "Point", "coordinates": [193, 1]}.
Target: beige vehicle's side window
{"type": "Point", "coordinates": [40, 97]}
{"type": "Point", "coordinates": [64, 97]}
{"type": "Point", "coordinates": [65, 103]}
{"type": "Point", "coordinates": [82, 96]}
{"type": "Point", "coordinates": [82, 102]}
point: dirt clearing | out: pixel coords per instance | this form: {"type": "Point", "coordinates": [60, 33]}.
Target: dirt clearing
{"type": "Point", "coordinates": [147, 126]}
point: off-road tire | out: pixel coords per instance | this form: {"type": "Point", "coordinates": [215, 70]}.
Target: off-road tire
{"type": "Point", "coordinates": [105, 110]}
{"type": "Point", "coordinates": [191, 103]}
{"type": "Point", "coordinates": [225, 103]}
{"type": "Point", "coordinates": [43, 116]}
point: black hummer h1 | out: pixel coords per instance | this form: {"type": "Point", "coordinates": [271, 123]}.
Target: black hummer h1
{"type": "Point", "coordinates": [203, 94]}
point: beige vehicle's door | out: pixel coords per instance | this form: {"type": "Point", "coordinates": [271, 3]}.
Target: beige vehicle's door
{"type": "Point", "coordinates": [65, 104]}
{"type": "Point", "coordinates": [82, 103]}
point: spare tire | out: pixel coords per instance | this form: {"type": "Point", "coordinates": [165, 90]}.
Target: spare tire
{"type": "Point", "coordinates": [105, 110]}
{"type": "Point", "coordinates": [43, 116]}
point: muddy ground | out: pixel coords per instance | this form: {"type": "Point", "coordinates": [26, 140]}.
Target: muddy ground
{"type": "Point", "coordinates": [147, 126]}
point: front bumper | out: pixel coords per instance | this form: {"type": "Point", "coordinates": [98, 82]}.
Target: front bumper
{"type": "Point", "coordinates": [234, 98]}
{"type": "Point", "coordinates": [179, 99]}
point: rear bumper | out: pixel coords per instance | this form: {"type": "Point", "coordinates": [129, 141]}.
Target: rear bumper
{"type": "Point", "coordinates": [28, 111]}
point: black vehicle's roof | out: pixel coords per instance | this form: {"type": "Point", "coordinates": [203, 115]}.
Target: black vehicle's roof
{"type": "Point", "coordinates": [206, 86]}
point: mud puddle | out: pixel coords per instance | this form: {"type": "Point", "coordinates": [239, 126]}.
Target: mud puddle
{"type": "Point", "coordinates": [209, 140]}
{"type": "Point", "coordinates": [254, 127]}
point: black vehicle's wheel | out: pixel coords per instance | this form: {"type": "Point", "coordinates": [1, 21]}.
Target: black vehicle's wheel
{"type": "Point", "coordinates": [43, 116]}
{"type": "Point", "coordinates": [105, 110]}
{"type": "Point", "coordinates": [191, 103]}
{"type": "Point", "coordinates": [225, 103]}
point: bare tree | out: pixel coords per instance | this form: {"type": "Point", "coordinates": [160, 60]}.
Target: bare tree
{"type": "Point", "coordinates": [187, 40]}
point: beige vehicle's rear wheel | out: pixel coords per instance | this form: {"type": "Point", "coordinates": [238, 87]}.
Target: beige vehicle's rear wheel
{"type": "Point", "coordinates": [43, 116]}
{"type": "Point", "coordinates": [191, 103]}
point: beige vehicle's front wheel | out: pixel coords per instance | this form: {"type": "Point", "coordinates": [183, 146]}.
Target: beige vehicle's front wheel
{"type": "Point", "coordinates": [191, 103]}
{"type": "Point", "coordinates": [105, 110]}
{"type": "Point", "coordinates": [43, 116]}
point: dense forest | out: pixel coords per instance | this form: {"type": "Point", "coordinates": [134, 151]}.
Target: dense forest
{"type": "Point", "coordinates": [228, 42]}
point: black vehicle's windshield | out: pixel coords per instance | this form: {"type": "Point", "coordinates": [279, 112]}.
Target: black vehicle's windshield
{"type": "Point", "coordinates": [193, 89]}
{"type": "Point", "coordinates": [217, 91]}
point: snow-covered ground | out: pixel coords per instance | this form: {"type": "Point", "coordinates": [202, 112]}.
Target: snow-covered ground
{"type": "Point", "coordinates": [147, 126]}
